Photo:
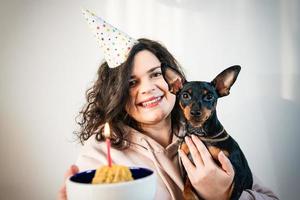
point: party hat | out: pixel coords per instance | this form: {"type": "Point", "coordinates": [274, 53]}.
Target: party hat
{"type": "Point", "coordinates": [114, 43]}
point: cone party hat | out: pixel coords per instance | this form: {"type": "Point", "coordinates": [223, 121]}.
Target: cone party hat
{"type": "Point", "coordinates": [114, 43]}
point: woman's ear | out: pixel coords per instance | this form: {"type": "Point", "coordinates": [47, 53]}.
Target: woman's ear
{"type": "Point", "coordinates": [225, 80]}
{"type": "Point", "coordinates": [173, 78]}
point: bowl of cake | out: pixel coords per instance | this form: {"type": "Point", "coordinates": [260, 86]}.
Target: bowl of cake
{"type": "Point", "coordinates": [112, 182]}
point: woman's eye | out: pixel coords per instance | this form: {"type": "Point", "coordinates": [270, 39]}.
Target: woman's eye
{"type": "Point", "coordinates": [186, 96]}
{"type": "Point", "coordinates": [132, 83]}
{"type": "Point", "coordinates": [156, 74]}
{"type": "Point", "coordinates": [208, 97]}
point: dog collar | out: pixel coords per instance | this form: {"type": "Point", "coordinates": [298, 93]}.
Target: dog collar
{"type": "Point", "coordinates": [216, 138]}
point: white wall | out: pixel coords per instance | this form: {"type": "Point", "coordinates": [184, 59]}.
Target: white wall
{"type": "Point", "coordinates": [49, 58]}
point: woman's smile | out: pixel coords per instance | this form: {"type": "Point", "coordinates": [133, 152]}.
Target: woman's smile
{"type": "Point", "coordinates": [151, 102]}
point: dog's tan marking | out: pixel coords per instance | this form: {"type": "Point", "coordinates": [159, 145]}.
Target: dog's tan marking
{"type": "Point", "coordinates": [214, 151]}
{"type": "Point", "coordinates": [186, 112]}
{"type": "Point", "coordinates": [205, 113]}
{"type": "Point", "coordinates": [184, 147]}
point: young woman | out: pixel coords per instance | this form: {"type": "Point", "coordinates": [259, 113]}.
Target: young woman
{"type": "Point", "coordinates": [143, 115]}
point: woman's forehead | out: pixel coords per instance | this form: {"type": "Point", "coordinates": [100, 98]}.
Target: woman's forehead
{"type": "Point", "coordinates": [143, 62]}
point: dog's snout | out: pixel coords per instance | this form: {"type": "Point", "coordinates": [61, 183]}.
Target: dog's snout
{"type": "Point", "coordinates": [195, 113]}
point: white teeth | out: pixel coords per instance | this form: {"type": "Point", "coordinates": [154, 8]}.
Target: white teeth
{"type": "Point", "coordinates": [145, 104]}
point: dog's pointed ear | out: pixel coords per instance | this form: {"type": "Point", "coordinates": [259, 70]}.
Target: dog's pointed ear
{"type": "Point", "coordinates": [225, 80]}
{"type": "Point", "coordinates": [173, 78]}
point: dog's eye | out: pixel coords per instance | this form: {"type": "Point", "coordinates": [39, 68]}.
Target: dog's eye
{"type": "Point", "coordinates": [208, 97]}
{"type": "Point", "coordinates": [186, 96]}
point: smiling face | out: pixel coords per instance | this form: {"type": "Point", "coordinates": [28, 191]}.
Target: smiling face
{"type": "Point", "coordinates": [150, 101]}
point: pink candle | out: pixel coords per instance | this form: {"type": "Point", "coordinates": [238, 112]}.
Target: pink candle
{"type": "Point", "coordinates": [108, 152]}
{"type": "Point", "coordinates": [108, 144]}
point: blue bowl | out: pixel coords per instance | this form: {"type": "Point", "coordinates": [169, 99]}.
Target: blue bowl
{"type": "Point", "coordinates": [87, 176]}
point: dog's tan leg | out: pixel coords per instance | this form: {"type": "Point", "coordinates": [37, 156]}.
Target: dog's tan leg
{"type": "Point", "coordinates": [188, 192]}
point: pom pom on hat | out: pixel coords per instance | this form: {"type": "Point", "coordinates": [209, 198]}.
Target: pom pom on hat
{"type": "Point", "coordinates": [114, 43]}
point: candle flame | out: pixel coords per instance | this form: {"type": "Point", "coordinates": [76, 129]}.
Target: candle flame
{"type": "Point", "coordinates": [106, 130]}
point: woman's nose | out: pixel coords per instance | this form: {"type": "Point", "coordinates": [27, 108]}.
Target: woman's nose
{"type": "Point", "coordinates": [147, 86]}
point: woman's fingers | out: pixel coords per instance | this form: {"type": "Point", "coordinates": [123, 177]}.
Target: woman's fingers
{"type": "Point", "coordinates": [71, 171]}
{"type": "Point", "coordinates": [225, 163]}
{"type": "Point", "coordinates": [205, 155]}
{"type": "Point", "coordinates": [194, 152]}
{"type": "Point", "coordinates": [74, 169]}
{"type": "Point", "coordinates": [188, 165]}
{"type": "Point", "coordinates": [62, 193]}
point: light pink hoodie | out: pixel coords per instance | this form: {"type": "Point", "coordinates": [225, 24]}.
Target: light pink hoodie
{"type": "Point", "coordinates": [146, 152]}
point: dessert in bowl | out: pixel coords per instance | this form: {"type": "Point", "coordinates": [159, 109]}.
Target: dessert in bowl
{"type": "Point", "coordinates": [85, 185]}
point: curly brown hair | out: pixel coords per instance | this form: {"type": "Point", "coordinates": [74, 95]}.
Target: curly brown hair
{"type": "Point", "coordinates": [107, 98]}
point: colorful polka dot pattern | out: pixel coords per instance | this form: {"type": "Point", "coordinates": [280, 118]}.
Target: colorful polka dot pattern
{"type": "Point", "coordinates": [114, 43]}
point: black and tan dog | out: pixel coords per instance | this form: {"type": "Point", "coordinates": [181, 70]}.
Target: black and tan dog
{"type": "Point", "coordinates": [198, 100]}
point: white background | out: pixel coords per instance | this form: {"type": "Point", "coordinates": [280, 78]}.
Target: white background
{"type": "Point", "coordinates": [49, 58]}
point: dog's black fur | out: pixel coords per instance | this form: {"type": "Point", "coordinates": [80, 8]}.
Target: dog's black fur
{"type": "Point", "coordinates": [198, 100]}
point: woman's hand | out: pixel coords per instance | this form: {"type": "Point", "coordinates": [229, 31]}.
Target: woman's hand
{"type": "Point", "coordinates": [62, 194]}
{"type": "Point", "coordinates": [208, 179]}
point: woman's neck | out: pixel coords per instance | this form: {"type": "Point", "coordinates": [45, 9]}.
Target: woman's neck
{"type": "Point", "coordinates": [160, 132]}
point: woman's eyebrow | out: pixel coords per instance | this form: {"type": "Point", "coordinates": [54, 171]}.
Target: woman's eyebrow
{"type": "Point", "coordinates": [148, 72]}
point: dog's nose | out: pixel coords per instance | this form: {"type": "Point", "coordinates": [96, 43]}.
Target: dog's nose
{"type": "Point", "coordinates": [195, 113]}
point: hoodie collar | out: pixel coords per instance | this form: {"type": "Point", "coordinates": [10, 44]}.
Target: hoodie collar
{"type": "Point", "coordinates": [136, 138]}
